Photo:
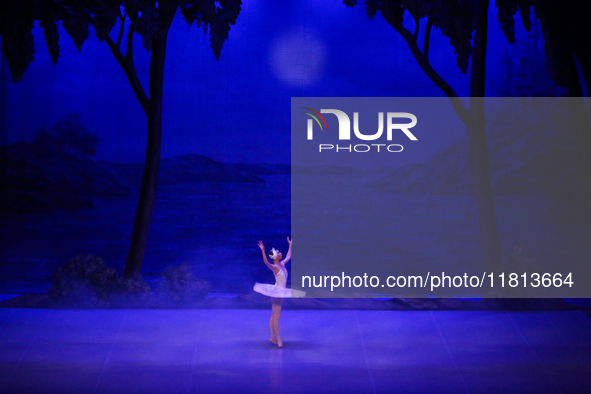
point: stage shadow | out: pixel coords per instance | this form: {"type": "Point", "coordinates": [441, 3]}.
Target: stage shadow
{"type": "Point", "coordinates": [291, 345]}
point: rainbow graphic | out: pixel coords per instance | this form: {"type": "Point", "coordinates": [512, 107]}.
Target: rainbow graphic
{"type": "Point", "coordinates": [316, 119]}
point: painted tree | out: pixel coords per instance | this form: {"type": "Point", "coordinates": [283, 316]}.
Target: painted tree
{"type": "Point", "coordinates": [567, 35]}
{"type": "Point", "coordinates": [150, 19]}
{"type": "Point", "coordinates": [461, 21]}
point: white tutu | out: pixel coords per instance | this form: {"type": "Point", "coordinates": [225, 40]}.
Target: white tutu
{"type": "Point", "coordinates": [278, 290]}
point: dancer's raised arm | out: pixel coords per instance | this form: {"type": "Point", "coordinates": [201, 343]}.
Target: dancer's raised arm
{"type": "Point", "coordinates": [262, 246]}
{"type": "Point", "coordinates": [288, 255]}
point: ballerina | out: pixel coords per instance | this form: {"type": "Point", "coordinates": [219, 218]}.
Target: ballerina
{"type": "Point", "coordinates": [278, 291]}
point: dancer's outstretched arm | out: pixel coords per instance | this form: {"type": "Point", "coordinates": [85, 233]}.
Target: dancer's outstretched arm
{"type": "Point", "coordinates": [262, 246]}
{"type": "Point", "coordinates": [288, 255]}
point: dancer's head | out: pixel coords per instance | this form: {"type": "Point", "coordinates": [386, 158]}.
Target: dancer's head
{"type": "Point", "coordinates": [275, 255]}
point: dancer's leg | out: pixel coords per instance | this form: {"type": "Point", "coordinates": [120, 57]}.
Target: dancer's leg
{"type": "Point", "coordinates": [272, 327]}
{"type": "Point", "coordinates": [276, 314]}
{"type": "Point", "coordinates": [272, 324]}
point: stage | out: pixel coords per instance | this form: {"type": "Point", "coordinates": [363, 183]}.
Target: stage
{"type": "Point", "coordinates": [228, 351]}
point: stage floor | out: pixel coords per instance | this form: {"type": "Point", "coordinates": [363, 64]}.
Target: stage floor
{"type": "Point", "coordinates": [325, 351]}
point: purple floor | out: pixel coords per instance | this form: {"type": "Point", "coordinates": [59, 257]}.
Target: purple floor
{"type": "Point", "coordinates": [227, 351]}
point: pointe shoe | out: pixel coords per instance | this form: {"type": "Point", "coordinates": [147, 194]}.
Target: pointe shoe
{"type": "Point", "coordinates": [273, 340]}
{"type": "Point", "coordinates": [279, 343]}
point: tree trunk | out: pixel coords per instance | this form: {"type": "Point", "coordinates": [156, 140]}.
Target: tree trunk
{"type": "Point", "coordinates": [582, 121]}
{"type": "Point", "coordinates": [143, 214]}
{"type": "Point", "coordinates": [490, 242]}
{"type": "Point", "coordinates": [474, 120]}
{"type": "Point", "coordinates": [580, 117]}
{"type": "Point", "coordinates": [489, 234]}
{"type": "Point", "coordinates": [585, 61]}
{"type": "Point", "coordinates": [4, 78]}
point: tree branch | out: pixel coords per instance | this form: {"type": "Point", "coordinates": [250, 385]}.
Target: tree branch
{"type": "Point", "coordinates": [121, 28]}
{"type": "Point", "coordinates": [428, 69]}
{"type": "Point", "coordinates": [477, 66]}
{"type": "Point", "coordinates": [415, 35]}
{"type": "Point", "coordinates": [127, 66]}
{"type": "Point", "coordinates": [426, 42]}
{"type": "Point", "coordinates": [129, 50]}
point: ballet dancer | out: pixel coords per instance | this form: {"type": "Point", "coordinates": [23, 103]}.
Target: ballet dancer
{"type": "Point", "coordinates": [278, 291]}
